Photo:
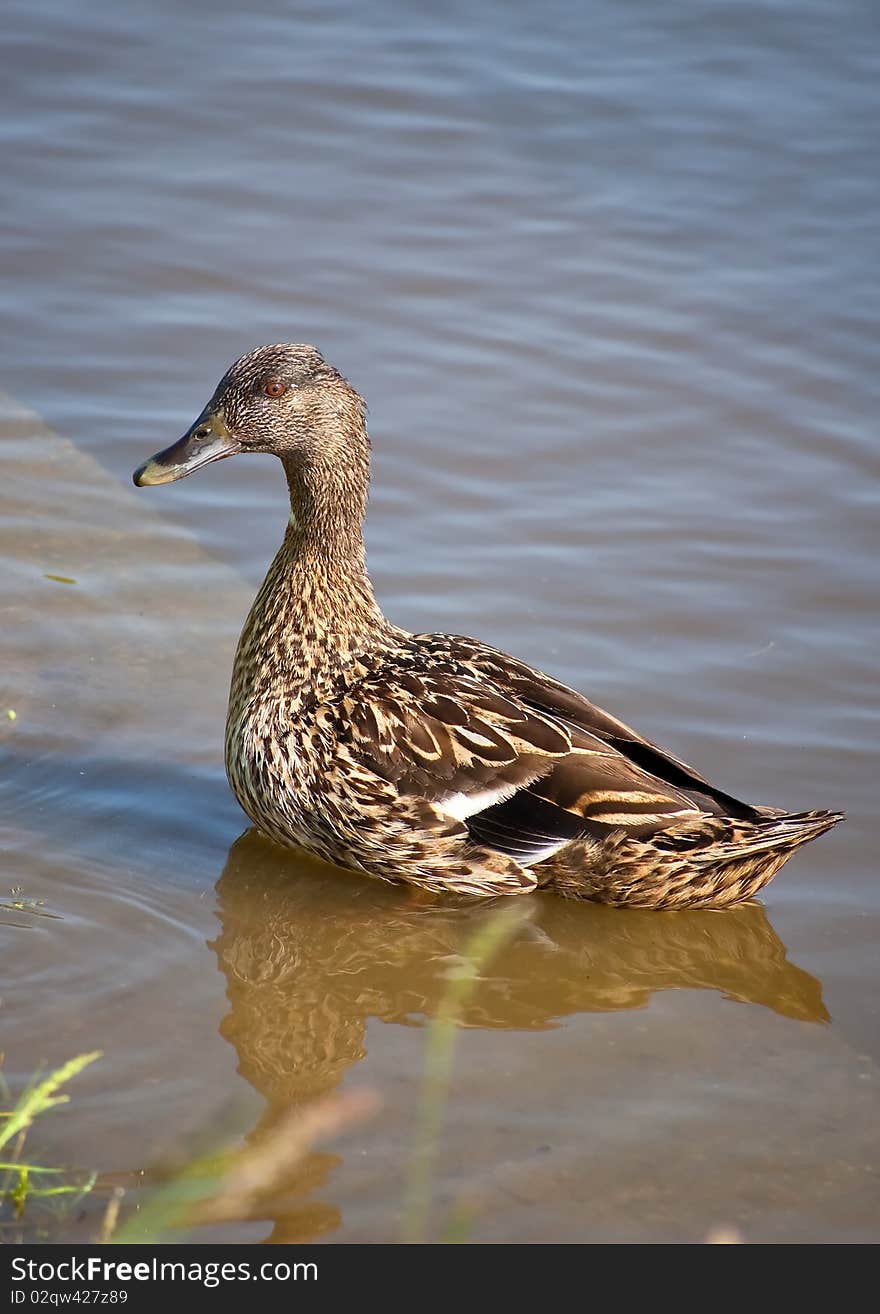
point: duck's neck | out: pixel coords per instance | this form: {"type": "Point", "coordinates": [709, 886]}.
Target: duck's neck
{"type": "Point", "coordinates": [315, 612]}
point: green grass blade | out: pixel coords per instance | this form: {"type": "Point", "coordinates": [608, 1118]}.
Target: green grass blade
{"type": "Point", "coordinates": [27, 1167]}
{"type": "Point", "coordinates": [495, 932]}
{"type": "Point", "coordinates": [41, 1097]}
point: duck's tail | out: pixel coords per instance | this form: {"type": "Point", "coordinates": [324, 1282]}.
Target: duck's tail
{"type": "Point", "coordinates": [785, 830]}
{"type": "Point", "coordinates": [711, 862]}
{"type": "Point", "coordinates": [744, 856]}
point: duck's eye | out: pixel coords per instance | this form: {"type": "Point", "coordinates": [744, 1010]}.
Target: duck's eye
{"type": "Point", "coordinates": [274, 388]}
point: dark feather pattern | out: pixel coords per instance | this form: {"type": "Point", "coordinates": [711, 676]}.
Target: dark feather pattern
{"type": "Point", "coordinates": [483, 735]}
{"type": "Point", "coordinates": [524, 826]}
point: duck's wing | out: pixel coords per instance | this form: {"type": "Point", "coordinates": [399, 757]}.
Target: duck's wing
{"type": "Point", "coordinates": [541, 692]}
{"type": "Point", "coordinates": [524, 762]}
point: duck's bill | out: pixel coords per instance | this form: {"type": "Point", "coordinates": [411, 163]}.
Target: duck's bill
{"type": "Point", "coordinates": [208, 440]}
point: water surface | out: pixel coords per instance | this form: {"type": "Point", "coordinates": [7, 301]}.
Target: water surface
{"type": "Point", "coordinates": [606, 277]}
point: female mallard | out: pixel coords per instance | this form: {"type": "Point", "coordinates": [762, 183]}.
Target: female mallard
{"type": "Point", "coordinates": [430, 758]}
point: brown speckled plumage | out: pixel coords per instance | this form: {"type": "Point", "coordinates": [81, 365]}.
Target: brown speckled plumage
{"type": "Point", "coordinates": [431, 758]}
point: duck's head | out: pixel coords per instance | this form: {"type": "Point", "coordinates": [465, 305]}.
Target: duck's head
{"type": "Point", "coordinates": [284, 399]}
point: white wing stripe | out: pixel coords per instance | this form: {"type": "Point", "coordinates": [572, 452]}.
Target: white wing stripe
{"type": "Point", "coordinates": [639, 818]}
{"type": "Point", "coordinates": [461, 806]}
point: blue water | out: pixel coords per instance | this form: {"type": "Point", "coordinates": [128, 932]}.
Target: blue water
{"type": "Point", "coordinates": [607, 278]}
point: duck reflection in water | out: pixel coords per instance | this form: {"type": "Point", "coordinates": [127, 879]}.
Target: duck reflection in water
{"type": "Point", "coordinates": [310, 954]}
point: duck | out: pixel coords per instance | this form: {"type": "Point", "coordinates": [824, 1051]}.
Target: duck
{"type": "Point", "coordinates": [435, 760]}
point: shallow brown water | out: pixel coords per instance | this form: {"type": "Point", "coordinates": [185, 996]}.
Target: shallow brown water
{"type": "Point", "coordinates": [607, 278]}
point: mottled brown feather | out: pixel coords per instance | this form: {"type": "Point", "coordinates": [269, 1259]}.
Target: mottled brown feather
{"type": "Point", "coordinates": [432, 758]}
